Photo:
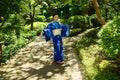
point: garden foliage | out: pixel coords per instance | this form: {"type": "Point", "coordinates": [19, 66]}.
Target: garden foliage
{"type": "Point", "coordinates": [110, 38]}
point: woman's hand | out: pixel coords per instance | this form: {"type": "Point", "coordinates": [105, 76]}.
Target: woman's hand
{"type": "Point", "coordinates": [72, 26]}
{"type": "Point", "coordinates": [42, 32]}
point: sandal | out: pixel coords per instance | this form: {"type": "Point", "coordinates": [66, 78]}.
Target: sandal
{"type": "Point", "coordinates": [58, 62]}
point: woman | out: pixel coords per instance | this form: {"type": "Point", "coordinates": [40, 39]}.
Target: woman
{"type": "Point", "coordinates": [56, 31]}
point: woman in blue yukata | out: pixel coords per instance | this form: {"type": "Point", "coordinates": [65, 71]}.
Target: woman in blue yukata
{"type": "Point", "coordinates": [55, 31]}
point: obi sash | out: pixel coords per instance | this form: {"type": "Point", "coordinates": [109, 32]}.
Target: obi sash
{"type": "Point", "coordinates": [56, 32]}
{"type": "Point", "coordinates": [49, 34]}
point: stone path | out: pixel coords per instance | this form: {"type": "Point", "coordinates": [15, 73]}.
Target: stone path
{"type": "Point", "coordinates": [35, 62]}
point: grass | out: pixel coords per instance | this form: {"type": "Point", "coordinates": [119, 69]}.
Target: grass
{"type": "Point", "coordinates": [95, 65]}
{"type": "Point", "coordinates": [37, 25]}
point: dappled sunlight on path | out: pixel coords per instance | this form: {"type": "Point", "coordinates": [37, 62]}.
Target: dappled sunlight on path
{"type": "Point", "coordinates": [35, 62]}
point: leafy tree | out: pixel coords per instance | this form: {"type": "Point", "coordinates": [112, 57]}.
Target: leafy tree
{"type": "Point", "coordinates": [8, 7]}
{"type": "Point", "coordinates": [102, 8]}
{"type": "Point", "coordinates": [107, 7]}
{"type": "Point", "coordinates": [29, 8]}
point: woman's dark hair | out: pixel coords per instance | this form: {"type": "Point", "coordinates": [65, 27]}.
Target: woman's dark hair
{"type": "Point", "coordinates": [55, 14]}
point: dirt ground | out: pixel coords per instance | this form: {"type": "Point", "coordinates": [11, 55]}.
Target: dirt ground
{"type": "Point", "coordinates": [35, 62]}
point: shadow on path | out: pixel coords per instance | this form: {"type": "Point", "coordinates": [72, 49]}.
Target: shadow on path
{"type": "Point", "coordinates": [35, 63]}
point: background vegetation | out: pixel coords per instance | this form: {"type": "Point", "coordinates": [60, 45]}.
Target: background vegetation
{"type": "Point", "coordinates": [99, 50]}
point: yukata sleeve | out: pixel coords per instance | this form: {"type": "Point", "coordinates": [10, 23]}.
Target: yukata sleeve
{"type": "Point", "coordinates": [49, 26]}
{"type": "Point", "coordinates": [48, 33]}
{"type": "Point", "coordinates": [65, 30]}
{"type": "Point", "coordinates": [61, 25]}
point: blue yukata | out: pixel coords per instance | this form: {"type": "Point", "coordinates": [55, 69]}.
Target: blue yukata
{"type": "Point", "coordinates": [56, 31]}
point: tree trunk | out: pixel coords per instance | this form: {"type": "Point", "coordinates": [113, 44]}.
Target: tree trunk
{"type": "Point", "coordinates": [32, 15]}
{"type": "Point", "coordinates": [99, 15]}
{"type": "Point", "coordinates": [32, 20]}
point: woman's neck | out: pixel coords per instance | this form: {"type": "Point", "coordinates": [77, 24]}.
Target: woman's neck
{"type": "Point", "coordinates": [55, 21]}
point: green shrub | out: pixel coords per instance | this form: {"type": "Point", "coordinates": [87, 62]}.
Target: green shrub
{"type": "Point", "coordinates": [10, 18]}
{"type": "Point", "coordinates": [28, 21]}
{"type": "Point", "coordinates": [40, 18]}
{"type": "Point", "coordinates": [110, 38]}
{"type": "Point", "coordinates": [37, 26]}
{"type": "Point", "coordinates": [63, 21]}
{"type": "Point", "coordinates": [95, 65]}
{"type": "Point", "coordinates": [14, 44]}
{"type": "Point", "coordinates": [14, 20]}
{"type": "Point", "coordinates": [93, 21]}
{"type": "Point", "coordinates": [75, 31]}
{"type": "Point", "coordinates": [29, 35]}
{"type": "Point", "coordinates": [11, 30]}
{"type": "Point", "coordinates": [49, 19]}
{"type": "Point", "coordinates": [88, 52]}
{"type": "Point", "coordinates": [12, 49]}
{"type": "Point", "coordinates": [8, 37]}
{"type": "Point", "coordinates": [79, 21]}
